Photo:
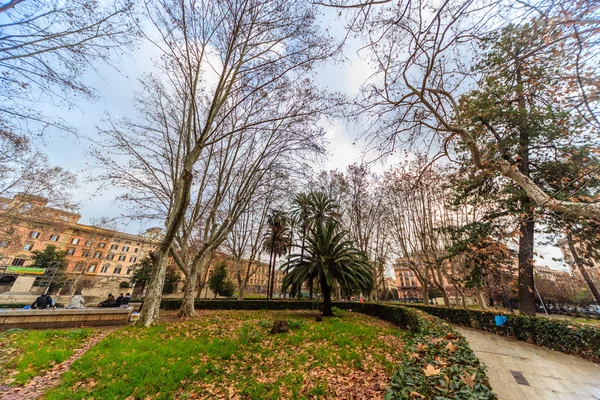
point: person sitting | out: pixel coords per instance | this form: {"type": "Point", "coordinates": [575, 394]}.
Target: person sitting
{"type": "Point", "coordinates": [77, 301]}
{"type": "Point", "coordinates": [125, 302]}
{"type": "Point", "coordinates": [42, 302]}
{"type": "Point", "coordinates": [119, 300]}
{"type": "Point", "coordinates": [109, 302]}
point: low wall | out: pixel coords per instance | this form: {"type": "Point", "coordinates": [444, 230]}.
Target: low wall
{"type": "Point", "coordinates": [63, 318]}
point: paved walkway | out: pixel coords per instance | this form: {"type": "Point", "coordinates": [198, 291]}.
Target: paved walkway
{"type": "Point", "coordinates": [519, 370]}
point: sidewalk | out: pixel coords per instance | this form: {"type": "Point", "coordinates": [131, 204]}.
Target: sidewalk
{"type": "Point", "coordinates": [519, 370]}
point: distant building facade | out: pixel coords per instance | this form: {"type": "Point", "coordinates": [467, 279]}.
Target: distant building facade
{"type": "Point", "coordinates": [409, 287]}
{"type": "Point", "coordinates": [96, 257]}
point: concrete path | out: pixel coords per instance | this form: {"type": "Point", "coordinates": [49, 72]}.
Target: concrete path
{"type": "Point", "coordinates": [519, 370]}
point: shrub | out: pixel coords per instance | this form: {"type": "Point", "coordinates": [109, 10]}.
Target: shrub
{"type": "Point", "coordinates": [560, 335]}
{"type": "Point", "coordinates": [437, 364]}
{"type": "Point", "coordinates": [124, 285]}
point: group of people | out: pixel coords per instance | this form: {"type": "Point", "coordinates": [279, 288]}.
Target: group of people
{"type": "Point", "coordinates": [42, 302]}
{"type": "Point", "coordinates": [121, 301]}
{"type": "Point", "coordinates": [77, 301]}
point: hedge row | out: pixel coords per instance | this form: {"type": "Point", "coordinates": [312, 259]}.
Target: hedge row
{"type": "Point", "coordinates": [571, 338]}
{"type": "Point", "coordinates": [437, 363]}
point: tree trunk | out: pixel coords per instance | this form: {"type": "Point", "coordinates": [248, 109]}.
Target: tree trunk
{"type": "Point", "coordinates": [425, 288]}
{"type": "Point", "coordinates": [526, 282]}
{"type": "Point", "coordinates": [581, 267]}
{"type": "Point", "coordinates": [241, 289]}
{"type": "Point", "coordinates": [269, 274]}
{"type": "Point", "coordinates": [273, 275]}
{"type": "Point", "coordinates": [189, 290]}
{"type": "Point", "coordinates": [326, 290]}
{"type": "Point", "coordinates": [481, 299]}
{"type": "Point", "coordinates": [444, 295]}
{"type": "Point", "coordinates": [150, 312]}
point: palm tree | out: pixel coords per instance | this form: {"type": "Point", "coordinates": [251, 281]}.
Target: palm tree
{"type": "Point", "coordinates": [329, 259]}
{"type": "Point", "coordinates": [276, 241]}
{"type": "Point", "coordinates": [314, 208]}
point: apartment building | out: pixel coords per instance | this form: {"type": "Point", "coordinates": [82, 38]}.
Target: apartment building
{"type": "Point", "coordinates": [407, 283]}
{"type": "Point", "coordinates": [94, 254]}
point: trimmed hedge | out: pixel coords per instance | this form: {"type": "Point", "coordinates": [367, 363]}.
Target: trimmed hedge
{"type": "Point", "coordinates": [571, 338]}
{"type": "Point", "coordinates": [437, 363]}
{"type": "Point", "coordinates": [220, 304]}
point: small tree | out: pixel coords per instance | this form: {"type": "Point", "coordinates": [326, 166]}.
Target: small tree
{"type": "Point", "coordinates": [141, 273]}
{"type": "Point", "coordinates": [219, 281]}
{"type": "Point", "coordinates": [54, 261]}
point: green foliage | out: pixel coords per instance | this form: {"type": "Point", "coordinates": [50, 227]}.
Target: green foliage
{"type": "Point", "coordinates": [141, 276]}
{"type": "Point", "coordinates": [55, 263]}
{"type": "Point", "coordinates": [218, 281]}
{"type": "Point", "coordinates": [329, 259]}
{"type": "Point", "coordinates": [560, 335]}
{"type": "Point", "coordinates": [141, 273]}
{"type": "Point", "coordinates": [466, 378]}
{"type": "Point", "coordinates": [124, 285]}
{"type": "Point", "coordinates": [29, 353]}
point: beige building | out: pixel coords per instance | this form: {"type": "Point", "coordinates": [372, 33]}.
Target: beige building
{"type": "Point", "coordinates": [98, 259]}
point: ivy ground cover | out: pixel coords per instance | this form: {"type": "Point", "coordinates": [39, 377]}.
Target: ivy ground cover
{"type": "Point", "coordinates": [231, 354]}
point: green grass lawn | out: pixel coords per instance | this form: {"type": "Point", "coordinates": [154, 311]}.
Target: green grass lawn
{"type": "Point", "coordinates": [231, 354]}
{"type": "Point", "coordinates": [25, 354]}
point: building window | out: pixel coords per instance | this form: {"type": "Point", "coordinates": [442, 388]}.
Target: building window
{"type": "Point", "coordinates": [79, 267]}
{"type": "Point", "coordinates": [85, 253]}
{"type": "Point", "coordinates": [75, 241]}
{"type": "Point", "coordinates": [54, 238]}
{"type": "Point", "coordinates": [122, 258]}
{"type": "Point", "coordinates": [110, 257]}
{"type": "Point", "coordinates": [64, 218]}
{"type": "Point", "coordinates": [18, 262]}
{"type": "Point", "coordinates": [98, 254]}
{"type": "Point", "coordinates": [104, 268]}
{"type": "Point", "coordinates": [88, 243]}
{"type": "Point", "coordinates": [28, 246]}
{"type": "Point", "coordinates": [125, 248]}
{"type": "Point", "coordinates": [132, 259]}
{"type": "Point", "coordinates": [114, 247]}
{"type": "Point", "coordinates": [127, 242]}
{"type": "Point", "coordinates": [25, 207]}
{"type": "Point", "coordinates": [4, 243]}
{"type": "Point", "coordinates": [129, 271]}
{"type": "Point", "coordinates": [135, 250]}
{"type": "Point", "coordinates": [117, 270]}
{"type": "Point", "coordinates": [101, 245]}
{"type": "Point", "coordinates": [70, 252]}
{"type": "Point", "coordinates": [35, 235]}
{"type": "Point", "coordinates": [92, 268]}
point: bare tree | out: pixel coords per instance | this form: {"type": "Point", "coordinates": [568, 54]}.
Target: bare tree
{"type": "Point", "coordinates": [217, 59]}
{"type": "Point", "coordinates": [424, 64]}
{"type": "Point", "coordinates": [45, 46]}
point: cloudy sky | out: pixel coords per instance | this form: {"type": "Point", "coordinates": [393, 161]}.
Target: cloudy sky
{"type": "Point", "coordinates": [116, 87]}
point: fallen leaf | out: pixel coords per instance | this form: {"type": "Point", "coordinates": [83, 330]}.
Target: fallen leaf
{"type": "Point", "coordinates": [430, 370]}
{"type": "Point", "coordinates": [421, 347]}
{"type": "Point", "coordinates": [469, 380]}
{"type": "Point", "coordinates": [451, 347]}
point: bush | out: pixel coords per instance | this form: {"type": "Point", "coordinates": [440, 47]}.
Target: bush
{"type": "Point", "coordinates": [124, 285]}
{"type": "Point", "coordinates": [437, 364]}
{"type": "Point", "coordinates": [560, 335]}
{"type": "Point", "coordinates": [232, 304]}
